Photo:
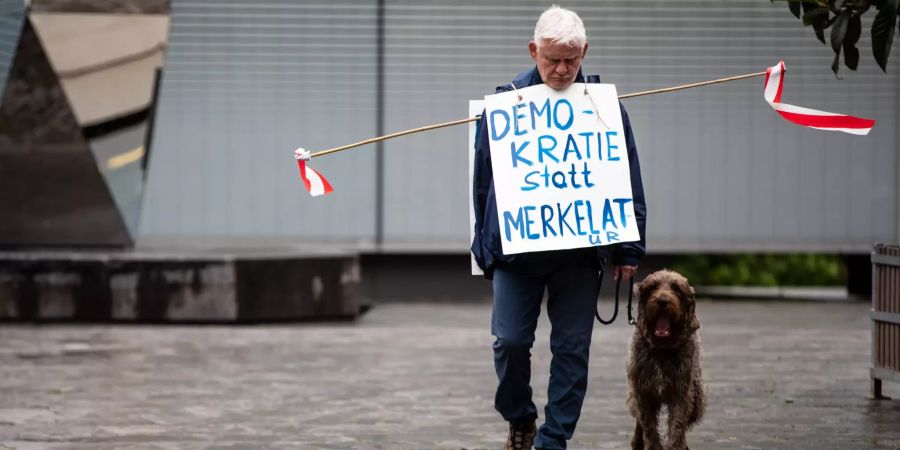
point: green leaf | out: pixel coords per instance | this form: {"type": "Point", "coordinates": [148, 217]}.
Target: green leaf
{"type": "Point", "coordinates": [851, 57]}
{"type": "Point", "coordinates": [839, 30]}
{"type": "Point", "coordinates": [883, 32]}
{"type": "Point", "coordinates": [854, 30]}
{"type": "Point", "coordinates": [851, 53]}
{"type": "Point", "coordinates": [815, 16]}
{"type": "Point", "coordinates": [834, 6]}
{"type": "Point", "coordinates": [889, 5]}
{"type": "Point", "coordinates": [795, 8]}
{"type": "Point", "coordinates": [836, 64]}
{"type": "Point", "coordinates": [820, 33]}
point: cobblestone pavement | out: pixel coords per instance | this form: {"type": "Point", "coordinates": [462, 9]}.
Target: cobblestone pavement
{"type": "Point", "coordinates": [780, 375]}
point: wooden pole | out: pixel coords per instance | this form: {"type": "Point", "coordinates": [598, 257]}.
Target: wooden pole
{"type": "Point", "coordinates": [693, 85]}
{"type": "Point", "coordinates": [472, 119]}
{"type": "Point", "coordinates": [393, 135]}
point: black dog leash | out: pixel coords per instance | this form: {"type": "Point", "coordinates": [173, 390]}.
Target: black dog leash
{"type": "Point", "coordinates": [616, 301]}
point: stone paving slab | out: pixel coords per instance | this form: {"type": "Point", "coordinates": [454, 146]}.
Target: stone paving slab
{"type": "Point", "coordinates": [780, 374]}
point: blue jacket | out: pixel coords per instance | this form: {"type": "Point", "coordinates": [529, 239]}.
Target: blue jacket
{"type": "Point", "coordinates": [486, 246]}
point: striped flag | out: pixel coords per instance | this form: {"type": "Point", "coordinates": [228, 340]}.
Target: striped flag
{"type": "Point", "coordinates": [315, 183]}
{"type": "Point", "coordinates": [810, 117]}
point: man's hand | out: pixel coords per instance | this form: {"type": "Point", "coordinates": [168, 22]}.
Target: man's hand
{"type": "Point", "coordinates": [626, 272]}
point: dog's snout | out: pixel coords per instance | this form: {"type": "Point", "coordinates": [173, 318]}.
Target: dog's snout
{"type": "Point", "coordinates": [664, 300]}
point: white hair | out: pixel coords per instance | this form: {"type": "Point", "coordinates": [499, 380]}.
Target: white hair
{"type": "Point", "coordinates": [560, 26]}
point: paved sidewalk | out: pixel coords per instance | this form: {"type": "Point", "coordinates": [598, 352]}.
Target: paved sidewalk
{"type": "Point", "coordinates": [780, 374]}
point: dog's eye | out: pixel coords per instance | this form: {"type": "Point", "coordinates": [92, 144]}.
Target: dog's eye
{"type": "Point", "coordinates": [684, 292]}
{"type": "Point", "coordinates": [674, 287]}
{"type": "Point", "coordinates": [647, 287]}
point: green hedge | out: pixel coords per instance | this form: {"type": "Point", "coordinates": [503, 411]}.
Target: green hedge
{"type": "Point", "coordinates": [796, 269]}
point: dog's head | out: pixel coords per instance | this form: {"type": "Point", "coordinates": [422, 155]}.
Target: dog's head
{"type": "Point", "coordinates": [666, 309]}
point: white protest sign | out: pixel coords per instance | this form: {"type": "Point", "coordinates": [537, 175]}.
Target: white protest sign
{"type": "Point", "coordinates": [561, 175]}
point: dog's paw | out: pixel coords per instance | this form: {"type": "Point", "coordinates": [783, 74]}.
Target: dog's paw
{"type": "Point", "coordinates": [682, 446]}
{"type": "Point", "coordinates": [637, 443]}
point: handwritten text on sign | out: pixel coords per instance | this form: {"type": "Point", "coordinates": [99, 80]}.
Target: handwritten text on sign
{"type": "Point", "coordinates": [561, 176]}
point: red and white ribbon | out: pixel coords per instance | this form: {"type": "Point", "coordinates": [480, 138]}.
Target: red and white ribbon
{"type": "Point", "coordinates": [810, 117]}
{"type": "Point", "coordinates": [315, 183]}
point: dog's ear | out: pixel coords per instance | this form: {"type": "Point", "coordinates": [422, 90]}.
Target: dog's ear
{"type": "Point", "coordinates": [644, 288]}
{"type": "Point", "coordinates": [690, 296]}
{"type": "Point", "coordinates": [693, 321]}
{"type": "Point", "coordinates": [638, 290]}
{"type": "Point", "coordinates": [687, 293]}
{"type": "Point", "coordinates": [685, 290]}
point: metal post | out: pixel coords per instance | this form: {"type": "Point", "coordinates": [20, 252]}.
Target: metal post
{"type": "Point", "coordinates": [379, 127]}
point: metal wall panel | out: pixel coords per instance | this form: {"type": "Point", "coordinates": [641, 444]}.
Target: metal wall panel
{"type": "Point", "coordinates": [722, 171]}
{"type": "Point", "coordinates": [12, 13]}
{"type": "Point", "coordinates": [244, 84]}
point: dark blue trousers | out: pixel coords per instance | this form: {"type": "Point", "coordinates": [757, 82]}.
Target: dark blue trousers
{"type": "Point", "coordinates": [571, 280]}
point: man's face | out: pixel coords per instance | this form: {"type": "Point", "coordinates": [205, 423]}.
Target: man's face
{"type": "Point", "coordinates": [558, 64]}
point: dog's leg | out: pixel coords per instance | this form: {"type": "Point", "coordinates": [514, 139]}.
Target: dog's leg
{"type": "Point", "coordinates": [648, 422]}
{"type": "Point", "coordinates": [698, 402]}
{"type": "Point", "coordinates": [679, 414]}
{"type": "Point", "coordinates": [637, 441]}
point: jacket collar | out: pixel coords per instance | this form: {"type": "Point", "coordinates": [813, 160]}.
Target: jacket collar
{"type": "Point", "coordinates": [533, 77]}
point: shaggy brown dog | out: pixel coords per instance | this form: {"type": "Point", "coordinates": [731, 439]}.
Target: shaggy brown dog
{"type": "Point", "coordinates": [664, 364]}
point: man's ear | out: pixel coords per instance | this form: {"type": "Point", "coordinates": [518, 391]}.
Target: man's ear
{"type": "Point", "coordinates": [584, 53]}
{"type": "Point", "coordinates": [532, 49]}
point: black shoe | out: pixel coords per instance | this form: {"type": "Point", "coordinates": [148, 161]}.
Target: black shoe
{"type": "Point", "coordinates": [521, 436]}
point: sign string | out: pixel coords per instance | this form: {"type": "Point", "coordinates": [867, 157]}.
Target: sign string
{"type": "Point", "coordinates": [517, 91]}
{"type": "Point", "coordinates": [596, 110]}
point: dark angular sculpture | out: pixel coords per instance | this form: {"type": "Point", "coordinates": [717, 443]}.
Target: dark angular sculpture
{"type": "Point", "coordinates": [76, 122]}
{"type": "Point", "coordinates": [51, 190]}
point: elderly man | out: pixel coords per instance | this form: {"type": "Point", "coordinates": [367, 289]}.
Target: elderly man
{"type": "Point", "coordinates": [569, 276]}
